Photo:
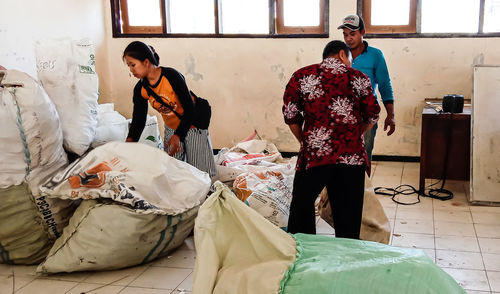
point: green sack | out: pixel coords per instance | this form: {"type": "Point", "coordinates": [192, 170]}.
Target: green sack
{"type": "Point", "coordinates": [337, 265]}
{"type": "Point", "coordinates": [23, 237]}
{"type": "Point", "coordinates": [103, 236]}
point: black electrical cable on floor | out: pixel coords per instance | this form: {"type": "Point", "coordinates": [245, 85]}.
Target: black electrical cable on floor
{"type": "Point", "coordinates": [439, 193]}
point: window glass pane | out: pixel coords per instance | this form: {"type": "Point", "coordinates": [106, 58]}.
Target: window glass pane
{"type": "Point", "coordinates": [244, 16]}
{"type": "Point", "coordinates": [450, 16]}
{"type": "Point", "coordinates": [390, 12]}
{"type": "Point", "coordinates": [491, 16]}
{"type": "Point", "coordinates": [191, 17]}
{"type": "Point", "coordinates": [144, 13]}
{"type": "Point", "coordinates": [301, 13]}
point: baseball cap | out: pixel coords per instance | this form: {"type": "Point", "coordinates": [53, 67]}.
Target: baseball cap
{"type": "Point", "coordinates": [352, 22]}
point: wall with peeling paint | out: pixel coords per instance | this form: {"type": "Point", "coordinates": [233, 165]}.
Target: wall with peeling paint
{"type": "Point", "coordinates": [244, 79]}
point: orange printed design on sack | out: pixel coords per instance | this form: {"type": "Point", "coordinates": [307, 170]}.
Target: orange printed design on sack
{"type": "Point", "coordinates": [92, 178]}
{"type": "Point", "coordinates": [240, 183]}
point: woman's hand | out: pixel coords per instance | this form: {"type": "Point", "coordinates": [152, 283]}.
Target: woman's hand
{"type": "Point", "coordinates": [175, 145]}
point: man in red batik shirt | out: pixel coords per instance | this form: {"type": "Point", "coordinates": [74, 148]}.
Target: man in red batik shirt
{"type": "Point", "coordinates": [328, 107]}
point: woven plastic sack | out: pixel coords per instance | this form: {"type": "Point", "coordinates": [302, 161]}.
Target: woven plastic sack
{"type": "Point", "coordinates": [267, 192]}
{"type": "Point", "coordinates": [66, 69]}
{"type": "Point", "coordinates": [23, 238]}
{"type": "Point", "coordinates": [107, 236]}
{"type": "Point", "coordinates": [143, 177]}
{"type": "Point", "coordinates": [238, 251]}
{"type": "Point", "coordinates": [252, 155]}
{"type": "Point", "coordinates": [111, 126]}
{"type": "Point", "coordinates": [375, 225]}
{"type": "Point", "coordinates": [31, 140]}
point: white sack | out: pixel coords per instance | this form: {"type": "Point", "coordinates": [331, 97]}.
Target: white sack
{"type": "Point", "coordinates": [250, 156]}
{"type": "Point", "coordinates": [66, 70]}
{"type": "Point", "coordinates": [31, 132]}
{"type": "Point", "coordinates": [267, 192]}
{"type": "Point", "coordinates": [151, 133]}
{"type": "Point", "coordinates": [32, 151]}
{"type": "Point", "coordinates": [111, 126]}
{"type": "Point", "coordinates": [145, 178]}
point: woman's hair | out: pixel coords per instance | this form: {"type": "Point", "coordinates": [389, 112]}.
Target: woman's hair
{"type": "Point", "coordinates": [141, 51]}
{"type": "Point", "coordinates": [334, 47]}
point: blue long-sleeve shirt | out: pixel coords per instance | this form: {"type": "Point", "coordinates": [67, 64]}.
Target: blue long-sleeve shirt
{"type": "Point", "coordinates": [371, 62]}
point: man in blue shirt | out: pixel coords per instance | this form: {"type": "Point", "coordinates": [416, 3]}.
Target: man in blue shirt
{"type": "Point", "coordinates": [371, 62]}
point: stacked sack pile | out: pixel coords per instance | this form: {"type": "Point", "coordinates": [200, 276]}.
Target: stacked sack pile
{"type": "Point", "coordinates": [109, 208]}
{"type": "Point", "coordinates": [32, 151]}
{"type": "Point", "coordinates": [262, 179]}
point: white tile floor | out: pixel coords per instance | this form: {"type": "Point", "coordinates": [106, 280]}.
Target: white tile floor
{"type": "Point", "coordinates": [463, 240]}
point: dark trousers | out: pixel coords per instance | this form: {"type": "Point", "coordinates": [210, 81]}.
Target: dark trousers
{"type": "Point", "coordinates": [345, 185]}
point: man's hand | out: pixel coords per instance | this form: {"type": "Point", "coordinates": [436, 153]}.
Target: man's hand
{"type": "Point", "coordinates": [391, 123]}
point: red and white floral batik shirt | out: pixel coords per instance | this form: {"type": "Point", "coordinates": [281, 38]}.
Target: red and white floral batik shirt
{"type": "Point", "coordinates": [333, 101]}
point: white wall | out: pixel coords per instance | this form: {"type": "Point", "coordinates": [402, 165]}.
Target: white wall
{"type": "Point", "coordinates": [23, 22]}
{"type": "Point", "coordinates": [244, 79]}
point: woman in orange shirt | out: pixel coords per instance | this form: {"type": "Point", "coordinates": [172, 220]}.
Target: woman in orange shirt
{"type": "Point", "coordinates": [167, 92]}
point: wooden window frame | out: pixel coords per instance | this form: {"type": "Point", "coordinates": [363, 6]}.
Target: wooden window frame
{"type": "Point", "coordinates": [282, 29]}
{"type": "Point", "coordinates": [397, 32]}
{"type": "Point", "coordinates": [121, 29]}
{"type": "Point", "coordinates": [128, 29]}
{"type": "Point", "coordinates": [389, 29]}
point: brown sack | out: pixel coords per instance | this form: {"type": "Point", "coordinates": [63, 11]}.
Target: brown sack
{"type": "Point", "coordinates": [374, 224]}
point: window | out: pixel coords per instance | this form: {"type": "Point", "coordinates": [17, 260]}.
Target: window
{"type": "Point", "coordinates": [220, 18]}
{"type": "Point", "coordinates": [390, 16]}
{"type": "Point", "coordinates": [431, 17]}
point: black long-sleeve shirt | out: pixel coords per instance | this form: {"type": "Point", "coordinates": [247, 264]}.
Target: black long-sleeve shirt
{"type": "Point", "coordinates": [173, 90]}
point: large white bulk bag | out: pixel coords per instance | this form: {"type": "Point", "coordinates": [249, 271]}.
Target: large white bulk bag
{"type": "Point", "coordinates": [139, 203]}
{"type": "Point", "coordinates": [104, 236]}
{"type": "Point", "coordinates": [32, 151]}
{"type": "Point", "coordinates": [111, 126]}
{"type": "Point", "coordinates": [143, 177]}
{"type": "Point", "coordinates": [66, 70]}
{"type": "Point", "coordinates": [31, 137]}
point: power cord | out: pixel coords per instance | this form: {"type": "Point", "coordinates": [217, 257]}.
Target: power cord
{"type": "Point", "coordinates": [405, 189]}
{"type": "Point", "coordinates": [439, 193]}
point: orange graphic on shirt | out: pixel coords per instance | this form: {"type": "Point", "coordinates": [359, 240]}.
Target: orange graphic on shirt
{"type": "Point", "coordinates": [92, 178]}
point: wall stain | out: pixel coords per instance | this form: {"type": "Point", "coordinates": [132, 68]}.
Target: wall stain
{"type": "Point", "coordinates": [278, 68]}
{"type": "Point", "coordinates": [478, 59]}
{"type": "Point", "coordinates": [190, 67]}
{"type": "Point", "coordinates": [299, 52]}
{"type": "Point", "coordinates": [406, 49]}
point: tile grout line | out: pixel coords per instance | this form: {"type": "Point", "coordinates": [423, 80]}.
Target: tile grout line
{"type": "Point", "coordinates": [133, 280]}
{"type": "Point", "coordinates": [480, 249]}
{"type": "Point", "coordinates": [192, 272]}
{"type": "Point", "coordinates": [13, 281]}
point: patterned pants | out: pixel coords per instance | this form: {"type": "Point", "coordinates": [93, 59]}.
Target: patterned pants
{"type": "Point", "coordinates": [195, 150]}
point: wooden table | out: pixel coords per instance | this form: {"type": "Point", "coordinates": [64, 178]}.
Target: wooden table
{"type": "Point", "coordinates": [437, 129]}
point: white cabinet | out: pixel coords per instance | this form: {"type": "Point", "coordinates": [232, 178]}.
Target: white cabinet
{"type": "Point", "coordinates": [485, 157]}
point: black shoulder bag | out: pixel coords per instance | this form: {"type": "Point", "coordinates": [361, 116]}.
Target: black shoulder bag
{"type": "Point", "coordinates": [202, 109]}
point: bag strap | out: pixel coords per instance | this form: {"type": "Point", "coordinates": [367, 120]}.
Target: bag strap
{"type": "Point", "coordinates": [158, 98]}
